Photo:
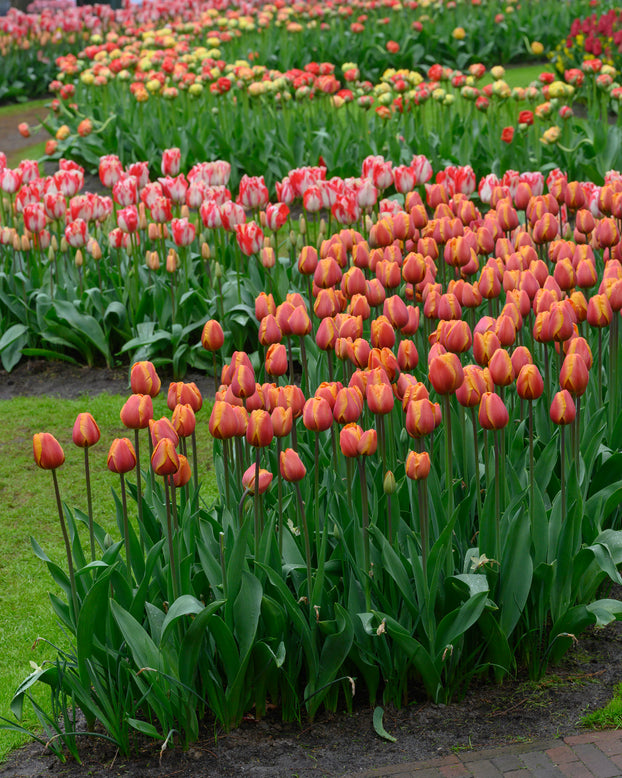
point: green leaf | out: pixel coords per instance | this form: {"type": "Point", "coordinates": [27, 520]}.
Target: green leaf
{"type": "Point", "coordinates": [185, 605]}
{"type": "Point", "coordinates": [142, 647]}
{"type": "Point", "coordinates": [11, 345]}
{"type": "Point", "coordinates": [379, 726]}
{"type": "Point", "coordinates": [145, 728]}
{"type": "Point", "coordinates": [515, 573]}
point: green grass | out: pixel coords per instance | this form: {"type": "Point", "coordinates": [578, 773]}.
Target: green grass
{"type": "Point", "coordinates": [17, 108]}
{"type": "Point", "coordinates": [34, 151]}
{"type": "Point", "coordinates": [609, 717]}
{"type": "Point", "coordinates": [520, 76]}
{"type": "Point", "coordinates": [27, 508]}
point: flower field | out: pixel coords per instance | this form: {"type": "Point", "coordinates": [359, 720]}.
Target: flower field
{"type": "Point", "coordinates": [408, 279]}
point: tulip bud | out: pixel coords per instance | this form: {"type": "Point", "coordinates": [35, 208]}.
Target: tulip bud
{"type": "Point", "coordinates": [529, 383]}
{"type": "Point", "coordinates": [212, 336]}
{"type": "Point", "coordinates": [418, 465]}
{"type": "Point", "coordinates": [501, 368]}
{"type": "Point", "coordinates": [248, 480]}
{"type": "Point", "coordinates": [292, 468]}
{"type": "Point", "coordinates": [223, 421]}
{"type": "Point", "coordinates": [47, 451]}
{"type": "Point", "coordinates": [493, 415]}
{"type": "Point", "coordinates": [184, 472]}
{"type": "Point", "coordinates": [420, 418]}
{"type": "Point", "coordinates": [85, 431]}
{"type": "Point", "coordinates": [184, 420]}
{"type": "Point", "coordinates": [282, 421]}
{"type": "Point", "coordinates": [317, 414]}
{"type": "Point", "coordinates": [144, 379]}
{"type": "Point", "coordinates": [574, 375]}
{"type": "Point", "coordinates": [389, 485]}
{"type": "Point", "coordinates": [445, 373]}
{"type": "Point", "coordinates": [162, 428]}
{"type": "Point", "coordinates": [165, 459]}
{"type": "Point", "coordinates": [259, 431]}
{"type": "Point", "coordinates": [137, 411]}
{"type": "Point", "coordinates": [121, 456]}
{"type": "Point", "coordinates": [563, 410]}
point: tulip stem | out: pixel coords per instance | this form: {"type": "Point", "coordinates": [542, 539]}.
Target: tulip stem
{"type": "Point", "coordinates": [423, 525]}
{"type": "Point", "coordinates": [577, 422]}
{"type": "Point", "coordinates": [316, 485]}
{"type": "Point", "coordinates": [171, 553]}
{"type": "Point", "coordinates": [89, 501]}
{"type": "Point", "coordinates": [139, 488]}
{"type": "Point", "coordinates": [256, 498]}
{"type": "Point", "coordinates": [497, 498]}
{"type": "Point", "coordinates": [305, 369]}
{"type": "Point", "coordinates": [478, 491]}
{"type": "Point", "coordinates": [223, 567]}
{"type": "Point", "coordinates": [531, 468]}
{"type": "Point", "coordinates": [280, 493]}
{"type": "Point", "coordinates": [63, 526]}
{"type": "Point", "coordinates": [365, 520]}
{"type": "Point", "coordinates": [562, 477]}
{"type": "Point", "coordinates": [126, 528]}
{"type": "Point", "coordinates": [225, 460]}
{"type": "Point", "coordinates": [305, 529]}
{"type": "Point", "coordinates": [448, 462]}
{"type": "Point", "coordinates": [195, 461]}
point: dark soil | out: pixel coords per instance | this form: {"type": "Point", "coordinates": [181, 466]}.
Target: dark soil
{"type": "Point", "coordinates": [334, 744]}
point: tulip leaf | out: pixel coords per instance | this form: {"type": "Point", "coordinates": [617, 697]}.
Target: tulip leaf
{"type": "Point", "coordinates": [185, 605]}
{"type": "Point", "coordinates": [143, 649]}
{"type": "Point", "coordinates": [11, 344]}
{"type": "Point", "coordinates": [515, 573]}
{"type": "Point", "coordinates": [379, 726]}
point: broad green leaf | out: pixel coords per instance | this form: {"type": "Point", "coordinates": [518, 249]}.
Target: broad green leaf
{"type": "Point", "coordinates": [379, 726]}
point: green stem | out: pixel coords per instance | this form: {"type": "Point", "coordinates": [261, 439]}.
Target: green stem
{"type": "Point", "coordinates": [448, 460]}
{"type": "Point", "coordinates": [139, 488]}
{"type": "Point", "coordinates": [169, 533]}
{"type": "Point", "coordinates": [63, 526]}
{"type": "Point", "coordinates": [126, 529]}
{"type": "Point", "coordinates": [305, 529]}
{"type": "Point", "coordinates": [365, 520]}
{"type": "Point", "coordinates": [89, 501]}
{"type": "Point", "coordinates": [497, 499]}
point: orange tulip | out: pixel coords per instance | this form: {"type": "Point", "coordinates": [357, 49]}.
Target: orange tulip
{"type": "Point", "coordinates": [137, 411]}
{"type": "Point", "coordinates": [563, 410]}
{"type": "Point", "coordinates": [493, 415]}
{"type": "Point", "coordinates": [223, 421]}
{"type": "Point", "coordinates": [163, 428]}
{"type": "Point", "coordinates": [420, 418]}
{"type": "Point", "coordinates": [259, 431]}
{"type": "Point", "coordinates": [85, 431]}
{"type": "Point", "coordinates": [574, 375]}
{"type": "Point", "coordinates": [47, 451]}
{"type": "Point", "coordinates": [184, 472]}
{"type": "Point", "coordinates": [282, 421]}
{"type": "Point", "coordinates": [317, 414]}
{"type": "Point", "coordinates": [144, 379]}
{"type": "Point", "coordinates": [418, 465]}
{"type": "Point", "coordinates": [121, 456]}
{"type": "Point", "coordinates": [212, 336]}
{"type": "Point", "coordinates": [292, 468]}
{"type": "Point", "coordinates": [445, 373]}
{"type": "Point", "coordinates": [276, 360]}
{"type": "Point", "coordinates": [248, 480]}
{"type": "Point", "coordinates": [180, 393]}
{"type": "Point", "coordinates": [184, 421]}
{"type": "Point", "coordinates": [165, 459]}
{"type": "Point", "coordinates": [529, 383]}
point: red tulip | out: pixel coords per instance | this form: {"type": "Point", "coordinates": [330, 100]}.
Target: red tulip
{"type": "Point", "coordinates": [276, 360]}
{"type": "Point", "coordinates": [259, 431]}
{"type": "Point", "coordinates": [445, 373]}
{"type": "Point", "coordinates": [212, 336]}
{"type": "Point", "coordinates": [420, 418]}
{"type": "Point", "coordinates": [184, 420]}
{"type": "Point", "coordinates": [47, 451]}
{"type": "Point", "coordinates": [121, 456]}
{"type": "Point", "coordinates": [144, 379]}
{"type": "Point", "coordinates": [223, 421]}
{"type": "Point", "coordinates": [248, 480]}
{"type": "Point", "coordinates": [574, 375]}
{"type": "Point", "coordinates": [165, 459]}
{"type": "Point", "coordinates": [137, 411]}
{"type": "Point", "coordinates": [184, 472]}
{"type": "Point", "coordinates": [282, 421]}
{"type": "Point", "coordinates": [469, 393]}
{"type": "Point", "coordinates": [162, 428]}
{"type": "Point", "coordinates": [85, 431]}
{"type": "Point", "coordinates": [493, 415]}
{"type": "Point", "coordinates": [501, 369]}
{"type": "Point", "coordinates": [418, 465]}
{"type": "Point", "coordinates": [529, 383]}
{"type": "Point", "coordinates": [180, 393]}
{"type": "Point", "coordinates": [563, 410]}
{"type": "Point", "coordinates": [292, 468]}
{"type": "Point", "coordinates": [317, 414]}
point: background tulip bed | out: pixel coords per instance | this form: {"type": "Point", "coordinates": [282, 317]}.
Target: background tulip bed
{"type": "Point", "coordinates": [415, 431]}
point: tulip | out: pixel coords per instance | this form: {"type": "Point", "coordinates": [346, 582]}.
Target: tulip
{"type": "Point", "coordinates": [249, 480]}
{"type": "Point", "coordinates": [144, 379]}
{"type": "Point", "coordinates": [85, 434]}
{"type": "Point", "coordinates": [269, 331]}
{"type": "Point", "coordinates": [291, 467]}
{"type": "Point", "coordinates": [165, 460]}
{"type": "Point", "coordinates": [418, 465]}
{"type": "Point", "coordinates": [574, 375]}
{"type": "Point", "coordinates": [162, 428]}
{"type": "Point", "coordinates": [183, 474]}
{"type": "Point", "coordinates": [501, 368]}
{"type": "Point", "coordinates": [49, 455]}
{"type": "Point", "coordinates": [137, 411]}
{"type": "Point", "coordinates": [420, 418]}
{"type": "Point", "coordinates": [259, 432]}
{"type": "Point", "coordinates": [493, 415]}
{"type": "Point", "coordinates": [212, 336]}
{"type": "Point", "coordinates": [184, 420]}
{"type": "Point", "coordinates": [122, 460]}
{"type": "Point", "coordinates": [276, 360]}
{"type": "Point", "coordinates": [445, 373]}
{"type": "Point", "coordinates": [563, 412]}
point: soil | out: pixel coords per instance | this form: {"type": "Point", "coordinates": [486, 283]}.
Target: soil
{"type": "Point", "coordinates": [343, 743]}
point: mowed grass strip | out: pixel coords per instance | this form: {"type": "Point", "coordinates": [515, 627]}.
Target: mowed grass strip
{"type": "Point", "coordinates": [28, 508]}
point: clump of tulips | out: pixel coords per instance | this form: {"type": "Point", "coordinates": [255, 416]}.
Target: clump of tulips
{"type": "Point", "coordinates": [417, 478]}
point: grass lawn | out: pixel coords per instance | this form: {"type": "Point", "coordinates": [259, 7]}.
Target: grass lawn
{"type": "Point", "coordinates": [27, 508]}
